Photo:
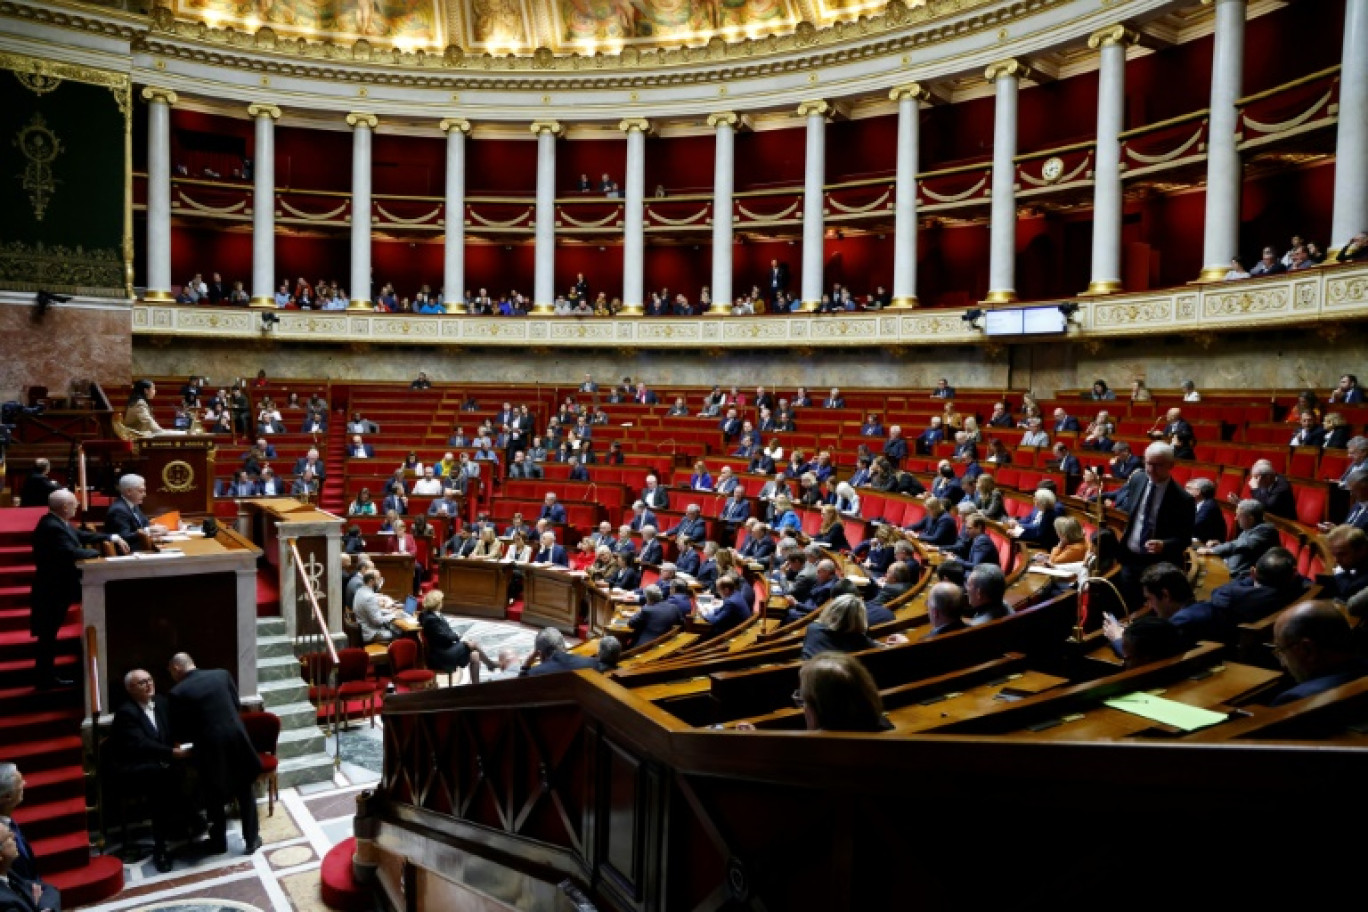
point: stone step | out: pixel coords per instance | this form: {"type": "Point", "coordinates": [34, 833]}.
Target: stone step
{"type": "Point", "coordinates": [269, 647]}
{"type": "Point", "coordinates": [299, 742]}
{"type": "Point", "coordinates": [269, 627]}
{"type": "Point", "coordinates": [283, 692]}
{"type": "Point", "coordinates": [295, 716]}
{"type": "Point", "coordinates": [278, 668]}
{"type": "Point", "coordinates": [305, 770]}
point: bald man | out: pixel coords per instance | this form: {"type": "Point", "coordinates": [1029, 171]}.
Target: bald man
{"type": "Point", "coordinates": [1313, 642]}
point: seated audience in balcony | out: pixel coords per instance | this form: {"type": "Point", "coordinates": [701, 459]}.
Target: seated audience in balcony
{"type": "Point", "coordinates": [1287, 258]}
{"type": "Point", "coordinates": [283, 298]}
{"type": "Point", "coordinates": [1347, 392]}
{"type": "Point", "coordinates": [1313, 642]}
{"type": "Point", "coordinates": [1356, 249]}
{"type": "Point", "coordinates": [1268, 265]}
{"type": "Point", "coordinates": [1270, 489]}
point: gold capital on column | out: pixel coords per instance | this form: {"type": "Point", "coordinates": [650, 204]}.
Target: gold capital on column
{"type": "Point", "coordinates": [553, 127]}
{"type": "Point", "coordinates": [152, 93]}
{"type": "Point", "coordinates": [261, 109]}
{"type": "Point", "coordinates": [455, 123]}
{"type": "Point", "coordinates": [1112, 34]}
{"type": "Point", "coordinates": [627, 125]}
{"type": "Point", "coordinates": [730, 118]}
{"type": "Point", "coordinates": [362, 119]}
{"type": "Point", "coordinates": [914, 90]}
{"type": "Point", "coordinates": [819, 106]}
{"type": "Point", "coordinates": [1009, 67]}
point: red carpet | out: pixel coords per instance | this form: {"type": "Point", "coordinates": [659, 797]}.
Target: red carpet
{"type": "Point", "coordinates": [339, 888]}
{"type": "Point", "coordinates": [267, 594]}
{"type": "Point", "coordinates": [40, 731]}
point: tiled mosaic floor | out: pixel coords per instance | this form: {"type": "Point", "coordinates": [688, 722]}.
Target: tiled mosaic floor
{"type": "Point", "coordinates": [308, 821]}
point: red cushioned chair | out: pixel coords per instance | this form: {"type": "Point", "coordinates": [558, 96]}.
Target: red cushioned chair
{"type": "Point", "coordinates": [315, 667]}
{"type": "Point", "coordinates": [403, 656]}
{"type": "Point", "coordinates": [352, 683]}
{"type": "Point", "coordinates": [263, 728]}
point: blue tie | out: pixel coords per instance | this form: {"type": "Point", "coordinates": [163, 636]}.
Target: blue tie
{"type": "Point", "coordinates": [1146, 524]}
{"type": "Point", "coordinates": [20, 842]}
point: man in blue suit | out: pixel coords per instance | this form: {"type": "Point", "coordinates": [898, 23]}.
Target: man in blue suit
{"type": "Point", "coordinates": [931, 436]}
{"type": "Point", "coordinates": [691, 524]}
{"type": "Point", "coordinates": [552, 510]}
{"type": "Point", "coordinates": [738, 509]}
{"type": "Point", "coordinates": [688, 561]}
{"type": "Point", "coordinates": [730, 614]}
{"type": "Point", "coordinates": [550, 552]}
{"type": "Point", "coordinates": [125, 517]}
{"type": "Point", "coordinates": [1210, 524]}
{"type": "Point", "coordinates": [975, 545]}
{"type": "Point", "coordinates": [1038, 528]}
{"type": "Point", "coordinates": [641, 517]}
{"type": "Point", "coordinates": [1066, 462]}
{"type": "Point", "coordinates": [943, 390]}
{"type": "Point", "coordinates": [1063, 421]}
{"type": "Point", "coordinates": [359, 449]}
{"type": "Point", "coordinates": [656, 618]}
{"type": "Point", "coordinates": [551, 657]}
{"type": "Point", "coordinates": [651, 550]}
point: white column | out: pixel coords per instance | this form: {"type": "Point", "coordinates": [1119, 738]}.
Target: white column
{"type": "Point", "coordinates": [363, 127]}
{"type": "Point", "coordinates": [1111, 95]}
{"type": "Point", "coordinates": [453, 254]}
{"type": "Point", "coordinates": [1221, 234]}
{"type": "Point", "coordinates": [633, 221]}
{"type": "Point", "coordinates": [814, 201]}
{"type": "Point", "coordinates": [724, 183]}
{"type": "Point", "coordinates": [159, 102]}
{"type": "Point", "coordinates": [1351, 137]}
{"type": "Point", "coordinates": [1006, 76]}
{"type": "Point", "coordinates": [263, 205]}
{"type": "Point", "coordinates": [544, 290]}
{"type": "Point", "coordinates": [909, 99]}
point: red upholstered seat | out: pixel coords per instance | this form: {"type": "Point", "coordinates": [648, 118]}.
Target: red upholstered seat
{"type": "Point", "coordinates": [263, 728]}
{"type": "Point", "coordinates": [403, 656]}
{"type": "Point", "coordinates": [1312, 501]}
{"type": "Point", "coordinates": [352, 665]}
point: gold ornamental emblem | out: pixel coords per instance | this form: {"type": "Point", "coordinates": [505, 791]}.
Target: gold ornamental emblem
{"type": "Point", "coordinates": [178, 477]}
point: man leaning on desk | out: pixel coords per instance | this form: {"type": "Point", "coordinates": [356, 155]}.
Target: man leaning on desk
{"type": "Point", "coordinates": [126, 520]}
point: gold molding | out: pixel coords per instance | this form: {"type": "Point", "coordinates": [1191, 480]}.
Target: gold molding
{"type": "Point", "coordinates": [730, 118]}
{"type": "Point", "coordinates": [264, 303]}
{"type": "Point", "coordinates": [914, 90]}
{"type": "Point", "coordinates": [262, 109]}
{"type": "Point", "coordinates": [1104, 287]}
{"type": "Point", "coordinates": [906, 303]}
{"type": "Point", "coordinates": [1009, 67]}
{"type": "Point", "coordinates": [628, 124]}
{"type": "Point", "coordinates": [546, 126]}
{"type": "Point", "coordinates": [1113, 34]}
{"type": "Point", "coordinates": [459, 124]}
{"type": "Point", "coordinates": [819, 106]}
{"type": "Point", "coordinates": [362, 119]}
{"type": "Point", "coordinates": [1001, 296]}
{"type": "Point", "coordinates": [154, 93]}
{"type": "Point", "coordinates": [1212, 274]}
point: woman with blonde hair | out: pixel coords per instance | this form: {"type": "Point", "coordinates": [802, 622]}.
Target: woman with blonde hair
{"type": "Point", "coordinates": [842, 627]}
{"type": "Point", "coordinates": [446, 651]}
{"type": "Point", "coordinates": [987, 499]}
{"type": "Point", "coordinates": [831, 533]}
{"type": "Point", "coordinates": [971, 429]}
{"type": "Point", "coordinates": [847, 501]}
{"type": "Point", "coordinates": [603, 564]}
{"type": "Point", "coordinates": [1072, 547]}
{"type": "Point", "coordinates": [488, 547]}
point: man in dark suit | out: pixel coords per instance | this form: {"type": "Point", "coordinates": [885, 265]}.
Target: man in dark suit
{"type": "Point", "coordinates": [730, 614]}
{"type": "Point", "coordinates": [1270, 489]}
{"type": "Point", "coordinates": [1175, 427]}
{"type": "Point", "coordinates": [690, 524]}
{"type": "Point", "coordinates": [550, 552]}
{"type": "Point", "coordinates": [641, 517]}
{"type": "Point", "coordinates": [1255, 538]}
{"type": "Point", "coordinates": [1310, 432]}
{"type": "Point", "coordinates": [730, 425]}
{"type": "Point", "coordinates": [943, 390]}
{"type": "Point", "coordinates": [552, 510]}
{"type": "Point", "coordinates": [834, 400]}
{"type": "Point", "coordinates": [311, 462]}
{"type": "Point", "coordinates": [944, 609]}
{"type": "Point", "coordinates": [651, 550]}
{"type": "Point", "coordinates": [656, 617]}
{"type": "Point", "coordinates": [804, 600]}
{"type": "Point", "coordinates": [38, 486]}
{"type": "Point", "coordinates": [144, 752]}
{"type": "Point", "coordinates": [17, 892]}
{"type": "Point", "coordinates": [1349, 547]}
{"type": "Point", "coordinates": [778, 281]}
{"type": "Point", "coordinates": [205, 713]}
{"type": "Point", "coordinates": [1066, 462]}
{"type": "Point", "coordinates": [738, 509]}
{"type": "Point", "coordinates": [551, 657]}
{"type": "Point", "coordinates": [1348, 392]}
{"type": "Point", "coordinates": [125, 517]}
{"type": "Point", "coordinates": [947, 486]}
{"type": "Point", "coordinates": [1210, 522]}
{"type": "Point", "coordinates": [975, 546]}
{"type": "Point", "coordinates": [588, 386]}
{"type": "Point", "coordinates": [933, 435]}
{"type": "Point", "coordinates": [1161, 517]}
{"type": "Point", "coordinates": [654, 496]}
{"type": "Point", "coordinates": [1272, 584]}
{"type": "Point", "coordinates": [1313, 642]}
{"type": "Point", "coordinates": [895, 447]}
{"type": "Point", "coordinates": [1063, 421]}
{"type": "Point", "coordinates": [57, 578]}
{"type": "Point", "coordinates": [359, 449]}
{"type": "Point", "coordinates": [897, 583]}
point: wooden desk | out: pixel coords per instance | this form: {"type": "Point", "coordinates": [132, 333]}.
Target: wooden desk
{"type": "Point", "coordinates": [552, 597]}
{"type": "Point", "coordinates": [972, 702]}
{"type": "Point", "coordinates": [1227, 684]}
{"type": "Point", "coordinates": [475, 588]}
{"type": "Point", "coordinates": [397, 570]}
{"type": "Point", "coordinates": [146, 607]}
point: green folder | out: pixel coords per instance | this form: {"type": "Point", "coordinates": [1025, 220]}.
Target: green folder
{"type": "Point", "coordinates": [1169, 712]}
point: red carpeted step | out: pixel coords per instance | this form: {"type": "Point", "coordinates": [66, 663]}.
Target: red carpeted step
{"type": "Point", "coordinates": [56, 784]}
{"type": "Point", "coordinates": [12, 554]}
{"type": "Point", "coordinates": [18, 644]}
{"type": "Point", "coordinates": [14, 596]}
{"type": "Point", "coordinates": [61, 853]}
{"type": "Point", "coordinates": [22, 520]}
{"type": "Point", "coordinates": [17, 575]}
{"type": "Point", "coordinates": [18, 618]}
{"type": "Point", "coordinates": [50, 724]}
{"type": "Point", "coordinates": [100, 879]}
{"type": "Point", "coordinates": [19, 672]}
{"type": "Point", "coordinates": [267, 594]}
{"type": "Point", "coordinates": [15, 701]}
{"type": "Point", "coordinates": [336, 882]}
{"type": "Point", "coordinates": [42, 753]}
{"type": "Point", "coordinates": [51, 818]}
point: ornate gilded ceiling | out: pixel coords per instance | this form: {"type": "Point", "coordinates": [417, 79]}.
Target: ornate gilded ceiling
{"type": "Point", "coordinates": [522, 26]}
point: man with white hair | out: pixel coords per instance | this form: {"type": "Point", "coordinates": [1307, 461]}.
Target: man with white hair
{"type": "Point", "coordinates": [1270, 489]}
{"type": "Point", "coordinates": [125, 518]}
{"type": "Point", "coordinates": [653, 496]}
{"type": "Point", "coordinates": [1357, 448]}
{"type": "Point", "coordinates": [691, 524]}
{"type": "Point", "coordinates": [57, 546]}
{"type": "Point", "coordinates": [1254, 539]}
{"type": "Point", "coordinates": [1161, 520]}
{"type": "Point", "coordinates": [143, 751]}
{"type": "Point", "coordinates": [651, 550]}
{"type": "Point", "coordinates": [641, 516]}
{"type": "Point", "coordinates": [550, 552]}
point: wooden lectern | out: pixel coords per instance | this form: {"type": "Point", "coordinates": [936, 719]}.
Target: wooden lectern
{"type": "Point", "coordinates": [179, 469]}
{"type": "Point", "coordinates": [148, 606]}
{"type": "Point", "coordinates": [475, 588]}
{"type": "Point", "coordinates": [552, 597]}
{"type": "Point", "coordinates": [397, 569]}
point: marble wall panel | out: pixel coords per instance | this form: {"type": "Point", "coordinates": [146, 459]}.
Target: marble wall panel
{"type": "Point", "coordinates": [70, 342]}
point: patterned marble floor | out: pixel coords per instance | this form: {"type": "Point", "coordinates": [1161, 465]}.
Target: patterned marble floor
{"type": "Point", "coordinates": [308, 821]}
